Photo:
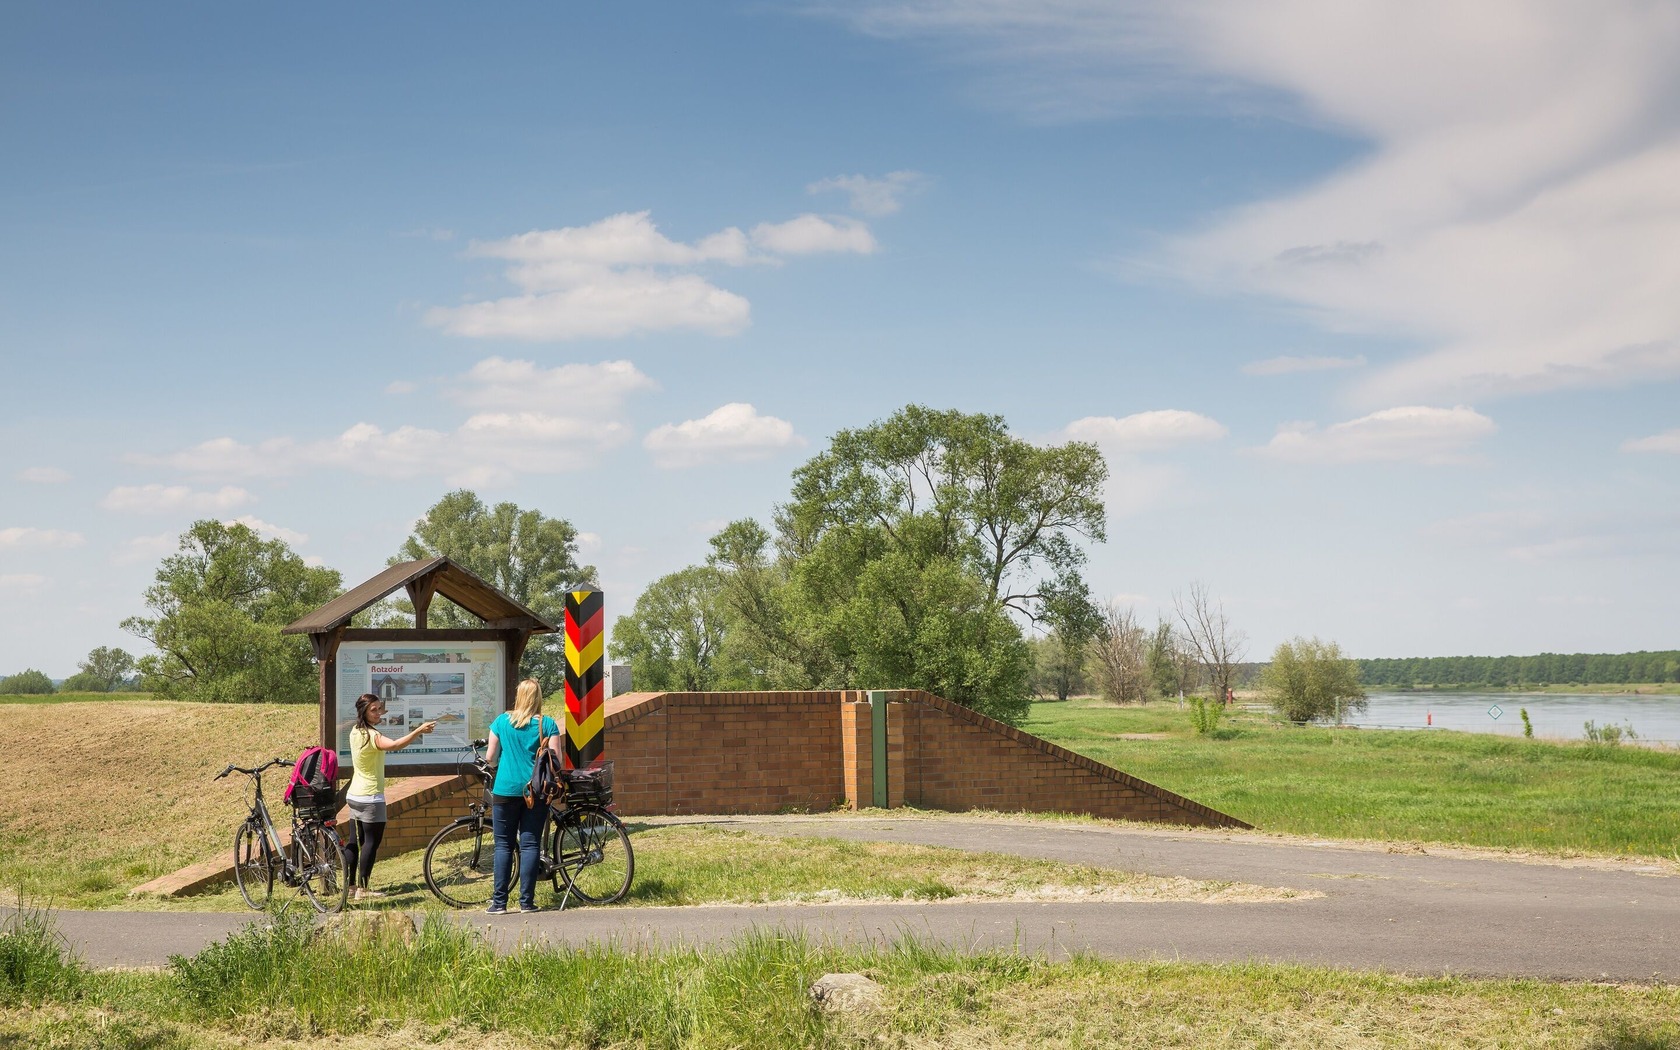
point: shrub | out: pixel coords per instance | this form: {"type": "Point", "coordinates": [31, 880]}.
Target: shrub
{"type": "Point", "coordinates": [1309, 680]}
{"type": "Point", "coordinates": [1205, 714]}
{"type": "Point", "coordinates": [83, 682]}
{"type": "Point", "coordinates": [1609, 735]}
{"type": "Point", "coordinates": [1528, 727]}
{"type": "Point", "coordinates": [26, 682]}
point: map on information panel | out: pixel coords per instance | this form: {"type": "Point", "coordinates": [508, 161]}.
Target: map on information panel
{"type": "Point", "coordinates": [458, 685]}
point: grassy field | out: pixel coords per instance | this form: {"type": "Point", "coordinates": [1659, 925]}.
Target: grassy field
{"type": "Point", "coordinates": [389, 984]}
{"type": "Point", "coordinates": [146, 767]}
{"type": "Point", "coordinates": [1461, 788]}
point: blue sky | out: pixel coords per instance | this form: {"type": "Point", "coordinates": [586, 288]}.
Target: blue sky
{"type": "Point", "coordinates": [1371, 306]}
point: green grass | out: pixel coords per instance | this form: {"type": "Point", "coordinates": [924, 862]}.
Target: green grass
{"type": "Point", "coordinates": [1446, 787]}
{"type": "Point", "coordinates": [386, 983]}
{"type": "Point", "coordinates": [68, 698]}
{"type": "Point", "coordinates": [695, 864]}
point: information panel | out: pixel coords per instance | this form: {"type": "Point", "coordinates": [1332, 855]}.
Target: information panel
{"type": "Point", "coordinates": [458, 685]}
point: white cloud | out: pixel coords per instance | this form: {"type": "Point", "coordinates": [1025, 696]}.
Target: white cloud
{"type": "Point", "coordinates": [1413, 433]}
{"type": "Point", "coordinates": [23, 583]}
{"type": "Point", "coordinates": [868, 196]}
{"type": "Point", "coordinates": [162, 499]}
{"type": "Point", "coordinates": [1146, 431]}
{"type": "Point", "coordinates": [1515, 212]}
{"type": "Point", "coordinates": [145, 548]}
{"type": "Point", "coordinates": [621, 276]}
{"type": "Point", "coordinates": [1667, 441]}
{"type": "Point", "coordinates": [602, 305]}
{"type": "Point", "coordinates": [274, 532]}
{"type": "Point", "coordinates": [1289, 365]}
{"type": "Point", "coordinates": [401, 386]}
{"type": "Point", "coordinates": [733, 432]}
{"type": "Point", "coordinates": [314, 561]}
{"type": "Point", "coordinates": [577, 389]}
{"type": "Point", "coordinates": [588, 541]}
{"type": "Point", "coordinates": [531, 420]}
{"type": "Point", "coordinates": [53, 539]}
{"type": "Point", "coordinates": [814, 234]}
{"type": "Point", "coordinates": [44, 475]}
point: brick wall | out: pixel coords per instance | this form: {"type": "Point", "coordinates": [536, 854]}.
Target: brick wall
{"type": "Point", "coordinates": [748, 752]}
{"type": "Point", "coordinates": [770, 752]}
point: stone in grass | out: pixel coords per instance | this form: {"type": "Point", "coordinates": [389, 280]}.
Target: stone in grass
{"type": "Point", "coordinates": [846, 992]}
{"type": "Point", "coordinates": [364, 926]}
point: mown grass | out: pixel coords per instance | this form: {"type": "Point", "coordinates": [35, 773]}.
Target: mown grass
{"type": "Point", "coordinates": [695, 864]}
{"type": "Point", "coordinates": [390, 984]}
{"type": "Point", "coordinates": [1446, 787]}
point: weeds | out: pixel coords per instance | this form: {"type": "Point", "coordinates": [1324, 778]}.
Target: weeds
{"type": "Point", "coordinates": [1205, 715]}
{"type": "Point", "coordinates": [1609, 735]}
{"type": "Point", "coordinates": [36, 965]}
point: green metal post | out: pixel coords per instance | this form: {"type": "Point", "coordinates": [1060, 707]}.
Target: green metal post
{"type": "Point", "coordinates": [878, 737]}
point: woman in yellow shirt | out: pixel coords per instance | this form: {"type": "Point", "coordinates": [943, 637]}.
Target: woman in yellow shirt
{"type": "Point", "coordinates": [366, 797]}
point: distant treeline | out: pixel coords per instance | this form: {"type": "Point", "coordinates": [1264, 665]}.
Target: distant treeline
{"type": "Point", "coordinates": [1544, 669]}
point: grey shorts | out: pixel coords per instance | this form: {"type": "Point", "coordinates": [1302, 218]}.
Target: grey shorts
{"type": "Point", "coordinates": [369, 811]}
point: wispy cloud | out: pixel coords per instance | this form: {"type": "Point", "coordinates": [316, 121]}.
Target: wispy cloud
{"type": "Point", "coordinates": [167, 499]}
{"type": "Point", "coordinates": [873, 197]}
{"type": "Point", "coordinates": [732, 433]}
{"type": "Point", "coordinates": [144, 548]}
{"type": "Point", "coordinates": [1409, 434]}
{"type": "Point", "coordinates": [1668, 441]}
{"type": "Point", "coordinates": [23, 583]}
{"type": "Point", "coordinates": [524, 419]}
{"type": "Point", "coordinates": [1515, 213]}
{"type": "Point", "coordinates": [813, 234]}
{"type": "Point", "coordinates": [274, 532]}
{"type": "Point", "coordinates": [41, 539]}
{"type": "Point", "coordinates": [1289, 365]}
{"type": "Point", "coordinates": [44, 475]}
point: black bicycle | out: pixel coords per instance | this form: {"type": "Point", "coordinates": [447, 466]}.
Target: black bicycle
{"type": "Point", "coordinates": [313, 861]}
{"type": "Point", "coordinates": [585, 849]}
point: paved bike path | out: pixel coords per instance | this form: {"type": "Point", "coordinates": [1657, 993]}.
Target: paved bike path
{"type": "Point", "coordinates": [1407, 912]}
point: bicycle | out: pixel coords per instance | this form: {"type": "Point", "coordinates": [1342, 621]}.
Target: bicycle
{"type": "Point", "coordinates": [313, 863]}
{"type": "Point", "coordinates": [585, 849]}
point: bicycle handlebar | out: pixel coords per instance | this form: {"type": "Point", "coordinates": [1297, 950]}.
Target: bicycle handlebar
{"type": "Point", "coordinates": [231, 768]}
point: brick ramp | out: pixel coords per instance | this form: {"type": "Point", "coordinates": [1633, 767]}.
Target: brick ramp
{"type": "Point", "coordinates": [416, 806]}
{"type": "Point", "coordinates": [793, 751]}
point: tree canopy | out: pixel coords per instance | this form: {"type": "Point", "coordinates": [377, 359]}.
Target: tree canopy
{"type": "Point", "coordinates": [674, 637]}
{"type": "Point", "coordinates": [216, 612]}
{"type": "Point", "coordinates": [107, 665]}
{"type": "Point", "coordinates": [902, 552]}
{"type": "Point", "coordinates": [530, 557]}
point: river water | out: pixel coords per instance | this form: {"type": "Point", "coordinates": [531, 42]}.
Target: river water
{"type": "Point", "coordinates": [1556, 715]}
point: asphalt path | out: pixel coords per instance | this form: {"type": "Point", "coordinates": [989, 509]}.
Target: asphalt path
{"type": "Point", "coordinates": [1407, 912]}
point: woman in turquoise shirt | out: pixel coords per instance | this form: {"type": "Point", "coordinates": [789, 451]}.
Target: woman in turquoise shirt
{"type": "Point", "coordinates": [514, 737]}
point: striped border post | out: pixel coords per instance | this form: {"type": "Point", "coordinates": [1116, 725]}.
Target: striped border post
{"type": "Point", "coordinates": [585, 669]}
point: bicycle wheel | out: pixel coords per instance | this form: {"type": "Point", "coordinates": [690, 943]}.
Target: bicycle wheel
{"type": "Point", "coordinates": [592, 851]}
{"type": "Point", "coordinates": [320, 866]}
{"type": "Point", "coordinates": [459, 863]}
{"type": "Point", "coordinates": [251, 868]}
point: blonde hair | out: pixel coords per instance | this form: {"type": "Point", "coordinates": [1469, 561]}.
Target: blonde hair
{"type": "Point", "coordinates": [527, 703]}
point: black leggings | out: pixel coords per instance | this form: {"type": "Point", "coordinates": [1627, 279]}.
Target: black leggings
{"type": "Point", "coordinates": [360, 854]}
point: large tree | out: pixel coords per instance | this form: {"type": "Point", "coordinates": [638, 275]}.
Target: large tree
{"type": "Point", "coordinates": [528, 556]}
{"type": "Point", "coordinates": [109, 665]}
{"type": "Point", "coordinates": [674, 637]}
{"type": "Point", "coordinates": [216, 612]}
{"type": "Point", "coordinates": [902, 553]}
{"type": "Point", "coordinates": [1310, 680]}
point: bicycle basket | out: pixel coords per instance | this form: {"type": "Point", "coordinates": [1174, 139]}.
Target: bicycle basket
{"type": "Point", "coordinates": [319, 804]}
{"type": "Point", "coordinates": [592, 786]}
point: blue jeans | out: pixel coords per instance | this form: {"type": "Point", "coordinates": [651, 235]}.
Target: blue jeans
{"type": "Point", "coordinates": [516, 821]}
